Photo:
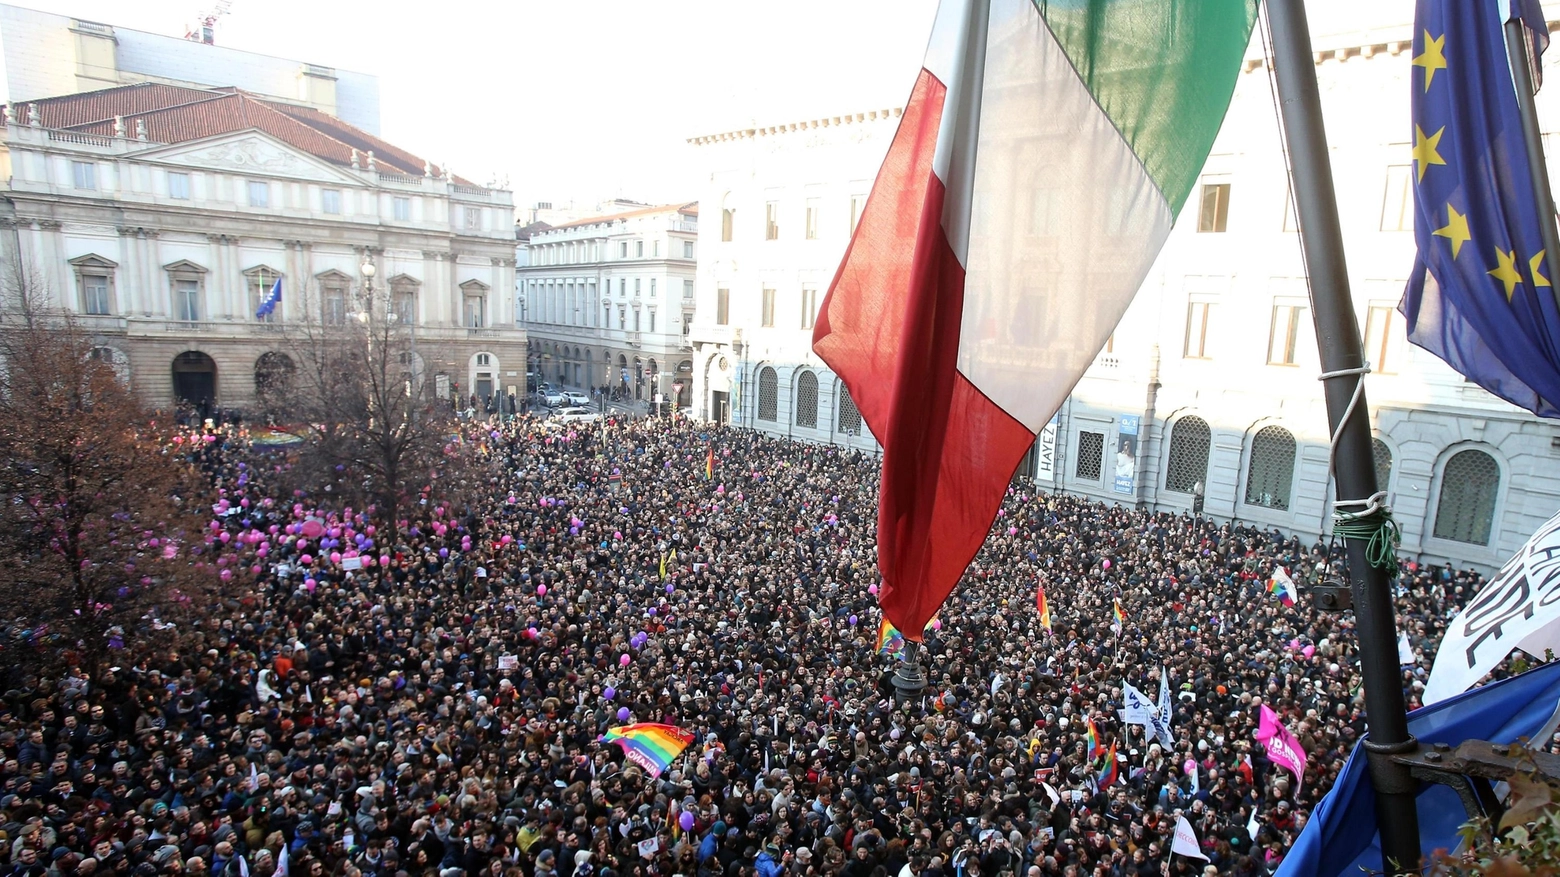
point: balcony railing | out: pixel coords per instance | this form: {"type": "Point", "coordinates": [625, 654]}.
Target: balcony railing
{"type": "Point", "coordinates": [189, 326]}
{"type": "Point", "coordinates": [481, 332]}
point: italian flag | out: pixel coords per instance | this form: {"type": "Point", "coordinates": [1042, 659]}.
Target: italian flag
{"type": "Point", "coordinates": [1042, 158]}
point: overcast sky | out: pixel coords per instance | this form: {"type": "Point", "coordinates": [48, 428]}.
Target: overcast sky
{"type": "Point", "coordinates": [576, 99]}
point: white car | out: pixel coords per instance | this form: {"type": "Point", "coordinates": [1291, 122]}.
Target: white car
{"type": "Point", "coordinates": [576, 415]}
{"type": "Point", "coordinates": [576, 399]}
{"type": "Point", "coordinates": [551, 398]}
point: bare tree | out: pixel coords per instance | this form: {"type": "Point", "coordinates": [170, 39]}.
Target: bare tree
{"type": "Point", "coordinates": [96, 508]}
{"type": "Point", "coordinates": [356, 393]}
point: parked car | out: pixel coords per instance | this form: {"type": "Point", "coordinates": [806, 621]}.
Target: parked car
{"type": "Point", "coordinates": [551, 398]}
{"type": "Point", "coordinates": [577, 399]}
{"type": "Point", "coordinates": [576, 415]}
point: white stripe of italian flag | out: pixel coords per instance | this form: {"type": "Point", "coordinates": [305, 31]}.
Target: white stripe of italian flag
{"type": "Point", "coordinates": [1041, 160]}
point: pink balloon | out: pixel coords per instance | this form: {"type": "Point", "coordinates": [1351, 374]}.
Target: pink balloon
{"type": "Point", "coordinates": [872, 589]}
{"type": "Point", "coordinates": [1105, 564]}
{"type": "Point", "coordinates": [1308, 651]}
{"type": "Point", "coordinates": [624, 660]}
{"type": "Point", "coordinates": [226, 575]}
{"type": "Point", "coordinates": [335, 557]}
{"type": "Point", "coordinates": [384, 560]}
{"type": "Point", "coordinates": [254, 570]}
{"type": "Point", "coordinates": [225, 536]}
{"type": "Point", "coordinates": [311, 584]}
{"type": "Point", "coordinates": [305, 560]}
{"type": "Point", "coordinates": [936, 624]}
{"type": "Point", "coordinates": [541, 590]}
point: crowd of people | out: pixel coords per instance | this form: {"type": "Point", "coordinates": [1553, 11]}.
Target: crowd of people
{"type": "Point", "coordinates": [437, 709]}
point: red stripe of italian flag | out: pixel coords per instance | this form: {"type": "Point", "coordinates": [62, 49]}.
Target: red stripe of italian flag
{"type": "Point", "coordinates": [1041, 160]}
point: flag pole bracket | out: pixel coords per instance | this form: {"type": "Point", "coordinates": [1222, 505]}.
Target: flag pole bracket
{"type": "Point", "coordinates": [1472, 768]}
{"type": "Point", "coordinates": [909, 679]}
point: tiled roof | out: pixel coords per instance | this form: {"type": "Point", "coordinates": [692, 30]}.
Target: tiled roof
{"type": "Point", "coordinates": [689, 209]}
{"type": "Point", "coordinates": [175, 115]}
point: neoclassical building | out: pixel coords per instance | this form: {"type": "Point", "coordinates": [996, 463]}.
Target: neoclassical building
{"type": "Point", "coordinates": [161, 214]}
{"type": "Point", "coordinates": [1207, 395]}
{"type": "Point", "coordinates": [609, 300]}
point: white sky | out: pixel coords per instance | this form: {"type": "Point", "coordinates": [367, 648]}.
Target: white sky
{"type": "Point", "coordinates": [576, 99]}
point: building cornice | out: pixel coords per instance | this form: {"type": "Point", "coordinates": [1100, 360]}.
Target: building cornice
{"type": "Point", "coordinates": [789, 127]}
{"type": "Point", "coordinates": [1348, 49]}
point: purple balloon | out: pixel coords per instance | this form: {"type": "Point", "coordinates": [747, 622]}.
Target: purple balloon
{"type": "Point", "coordinates": [623, 714]}
{"type": "Point", "coordinates": [853, 621]}
{"type": "Point", "coordinates": [609, 693]}
{"type": "Point", "coordinates": [686, 821]}
{"type": "Point", "coordinates": [670, 588]}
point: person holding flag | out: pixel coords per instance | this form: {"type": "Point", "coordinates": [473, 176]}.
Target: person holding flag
{"type": "Point", "coordinates": [1282, 586]}
{"type": "Point", "coordinates": [1118, 619]}
{"type": "Point", "coordinates": [1043, 607]}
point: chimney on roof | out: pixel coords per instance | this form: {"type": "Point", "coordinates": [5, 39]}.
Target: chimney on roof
{"type": "Point", "coordinates": [140, 129]}
{"type": "Point", "coordinates": [354, 159]}
{"type": "Point", "coordinates": [371, 165]}
{"type": "Point", "coordinates": [119, 127]}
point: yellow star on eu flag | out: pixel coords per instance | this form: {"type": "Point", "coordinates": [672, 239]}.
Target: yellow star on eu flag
{"type": "Point", "coordinates": [1506, 270]}
{"type": "Point", "coordinates": [1455, 230]}
{"type": "Point", "coordinates": [1534, 264]}
{"type": "Point", "coordinates": [1432, 58]}
{"type": "Point", "coordinates": [1425, 153]}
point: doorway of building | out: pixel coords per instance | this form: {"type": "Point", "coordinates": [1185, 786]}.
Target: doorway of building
{"type": "Point", "coordinates": [720, 407]}
{"type": "Point", "coordinates": [195, 379]}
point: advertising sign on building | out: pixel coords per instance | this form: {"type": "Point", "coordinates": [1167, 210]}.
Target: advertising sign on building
{"type": "Point", "coordinates": [1126, 454]}
{"type": "Point", "coordinates": [1045, 454]}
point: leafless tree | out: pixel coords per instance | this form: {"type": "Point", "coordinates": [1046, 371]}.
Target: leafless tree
{"type": "Point", "coordinates": [356, 392]}
{"type": "Point", "coordinates": [96, 505]}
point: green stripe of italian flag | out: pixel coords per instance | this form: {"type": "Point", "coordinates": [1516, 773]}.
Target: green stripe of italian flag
{"type": "Point", "coordinates": [1039, 165]}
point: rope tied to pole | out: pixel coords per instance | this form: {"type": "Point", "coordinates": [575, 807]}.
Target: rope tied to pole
{"type": "Point", "coordinates": [1371, 518]}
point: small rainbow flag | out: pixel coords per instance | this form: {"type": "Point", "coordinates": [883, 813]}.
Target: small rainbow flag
{"type": "Point", "coordinates": [1118, 618]}
{"type": "Point", "coordinates": [709, 464]}
{"type": "Point", "coordinates": [1093, 750]}
{"type": "Point", "coordinates": [650, 745]}
{"type": "Point", "coordinates": [1109, 770]}
{"type": "Point", "coordinates": [1282, 586]}
{"type": "Point", "coordinates": [890, 641]}
{"type": "Point", "coordinates": [1044, 607]}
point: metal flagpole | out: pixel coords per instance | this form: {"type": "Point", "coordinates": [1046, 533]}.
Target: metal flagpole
{"type": "Point", "coordinates": [1519, 54]}
{"type": "Point", "coordinates": [1338, 339]}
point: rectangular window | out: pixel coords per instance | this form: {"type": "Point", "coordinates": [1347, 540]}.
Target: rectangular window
{"type": "Point", "coordinates": [636, 319]}
{"type": "Point", "coordinates": [335, 302]}
{"type": "Point", "coordinates": [622, 249]}
{"type": "Point", "coordinates": [84, 174]}
{"type": "Point", "coordinates": [858, 203]}
{"type": "Point", "coordinates": [687, 290]}
{"type": "Point", "coordinates": [1383, 328]}
{"type": "Point", "coordinates": [622, 287]}
{"type": "Point", "coordinates": [1397, 205]}
{"type": "Point", "coordinates": [687, 249]}
{"type": "Point", "coordinates": [652, 287]}
{"type": "Point", "coordinates": [728, 218]}
{"type": "Point", "coordinates": [1285, 333]}
{"type": "Point", "coordinates": [655, 249]}
{"type": "Point", "coordinates": [259, 194]}
{"type": "Point", "coordinates": [1197, 316]}
{"type": "Point", "coordinates": [402, 208]}
{"type": "Point", "coordinates": [473, 218]}
{"type": "Point", "coordinates": [405, 307]}
{"type": "Point", "coordinates": [812, 219]}
{"type": "Point", "coordinates": [178, 186]}
{"type": "Point", "coordinates": [809, 306]}
{"type": "Point", "coordinates": [637, 281]}
{"type": "Point", "coordinates": [639, 249]}
{"type": "Point", "coordinates": [622, 317]}
{"type": "Point", "coordinates": [186, 300]}
{"type": "Point", "coordinates": [769, 308]}
{"type": "Point", "coordinates": [722, 307]}
{"type": "Point", "coordinates": [1214, 214]}
{"type": "Point", "coordinates": [772, 220]}
{"type": "Point", "coordinates": [474, 313]}
{"type": "Point", "coordinates": [1091, 456]}
{"type": "Point", "coordinates": [330, 200]}
{"type": "Point", "coordinates": [652, 319]}
{"type": "Point", "coordinates": [94, 294]}
{"type": "Point", "coordinates": [259, 287]}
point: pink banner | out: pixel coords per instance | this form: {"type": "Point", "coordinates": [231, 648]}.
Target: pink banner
{"type": "Point", "coordinates": [1283, 748]}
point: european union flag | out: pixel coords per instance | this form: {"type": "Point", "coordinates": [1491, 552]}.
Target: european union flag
{"type": "Point", "coordinates": [1481, 295]}
{"type": "Point", "coordinates": [271, 300]}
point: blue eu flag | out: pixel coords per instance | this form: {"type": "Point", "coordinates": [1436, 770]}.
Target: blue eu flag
{"type": "Point", "coordinates": [271, 300]}
{"type": "Point", "coordinates": [1481, 295]}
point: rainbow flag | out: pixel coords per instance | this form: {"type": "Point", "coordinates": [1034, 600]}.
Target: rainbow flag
{"type": "Point", "coordinates": [709, 464]}
{"type": "Point", "coordinates": [1044, 607]}
{"type": "Point", "coordinates": [1093, 750]}
{"type": "Point", "coordinates": [890, 641]}
{"type": "Point", "coordinates": [1118, 618]}
{"type": "Point", "coordinates": [1109, 771]}
{"type": "Point", "coordinates": [650, 745]}
{"type": "Point", "coordinates": [1282, 586]}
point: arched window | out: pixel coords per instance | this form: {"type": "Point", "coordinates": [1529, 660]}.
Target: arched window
{"type": "Point", "coordinates": [1271, 473]}
{"type": "Point", "coordinates": [849, 420]}
{"type": "Point", "coordinates": [1383, 457]}
{"type": "Point", "coordinates": [807, 400]}
{"type": "Point", "coordinates": [1188, 464]}
{"type": "Point", "coordinates": [1465, 511]}
{"type": "Point", "coordinates": [768, 395]}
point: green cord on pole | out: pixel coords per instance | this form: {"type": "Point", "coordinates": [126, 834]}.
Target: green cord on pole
{"type": "Point", "coordinates": [1380, 532]}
